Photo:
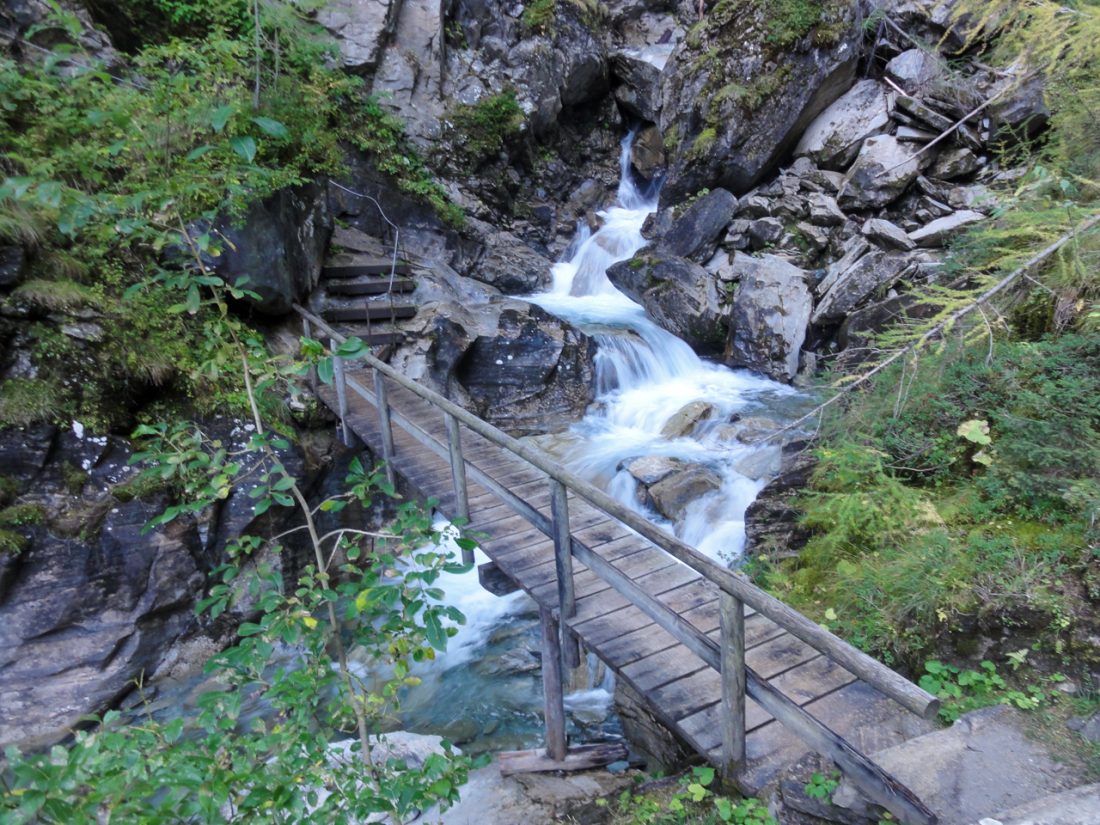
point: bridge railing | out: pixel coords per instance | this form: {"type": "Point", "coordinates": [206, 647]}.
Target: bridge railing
{"type": "Point", "coordinates": [727, 656]}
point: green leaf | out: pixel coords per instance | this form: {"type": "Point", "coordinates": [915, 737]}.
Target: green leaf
{"type": "Point", "coordinates": [272, 127]}
{"type": "Point", "coordinates": [244, 146]}
{"type": "Point", "coordinates": [433, 630]}
{"type": "Point", "coordinates": [198, 152]}
{"type": "Point", "coordinates": [976, 431]}
{"type": "Point", "coordinates": [220, 117]}
{"type": "Point", "coordinates": [325, 370]}
{"type": "Point", "coordinates": [249, 629]}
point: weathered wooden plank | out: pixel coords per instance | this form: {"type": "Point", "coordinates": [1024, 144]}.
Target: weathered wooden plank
{"type": "Point", "coordinates": [732, 671]}
{"type": "Point", "coordinates": [553, 699]}
{"type": "Point", "coordinates": [578, 758]}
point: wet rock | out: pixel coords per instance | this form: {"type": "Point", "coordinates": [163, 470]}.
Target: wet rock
{"type": "Point", "coordinates": [880, 174]}
{"type": "Point", "coordinates": [361, 29]}
{"type": "Point", "coordinates": [533, 373]}
{"type": "Point", "coordinates": [939, 231]}
{"type": "Point", "coordinates": [771, 521]}
{"type": "Point", "coordinates": [24, 452]}
{"type": "Point", "coordinates": [872, 272]}
{"type": "Point", "coordinates": [651, 469]}
{"type": "Point", "coordinates": [768, 321]}
{"type": "Point", "coordinates": [278, 246]}
{"type": "Point", "coordinates": [82, 618]}
{"type": "Point", "coordinates": [913, 69]}
{"type": "Point", "coordinates": [833, 140]}
{"type": "Point", "coordinates": [510, 265]}
{"type": "Point", "coordinates": [639, 90]}
{"type": "Point", "coordinates": [678, 294]}
{"type": "Point", "coordinates": [13, 264]}
{"type": "Point", "coordinates": [684, 421]}
{"type": "Point", "coordinates": [887, 234]}
{"type": "Point", "coordinates": [733, 140]}
{"type": "Point", "coordinates": [696, 232]}
{"type": "Point", "coordinates": [762, 463]}
{"type": "Point", "coordinates": [1087, 727]}
{"type": "Point", "coordinates": [673, 494]}
{"type": "Point", "coordinates": [955, 162]}
{"type": "Point", "coordinates": [647, 155]}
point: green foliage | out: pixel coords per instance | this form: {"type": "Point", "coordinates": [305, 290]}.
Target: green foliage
{"type": "Point", "coordinates": [383, 136]}
{"type": "Point", "coordinates": [376, 592]}
{"type": "Point", "coordinates": [20, 515]}
{"type": "Point", "coordinates": [25, 401]}
{"type": "Point", "coordinates": [538, 16]}
{"type": "Point", "coordinates": [964, 690]}
{"type": "Point", "coordinates": [56, 296]}
{"type": "Point", "coordinates": [914, 535]}
{"type": "Point", "coordinates": [821, 786]}
{"type": "Point", "coordinates": [11, 542]}
{"type": "Point", "coordinates": [480, 131]}
{"type": "Point", "coordinates": [694, 801]}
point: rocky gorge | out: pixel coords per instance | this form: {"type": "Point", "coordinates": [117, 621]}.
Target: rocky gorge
{"type": "Point", "coordinates": [809, 169]}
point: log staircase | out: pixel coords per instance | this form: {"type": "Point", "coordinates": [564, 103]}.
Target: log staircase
{"type": "Point", "coordinates": [364, 291]}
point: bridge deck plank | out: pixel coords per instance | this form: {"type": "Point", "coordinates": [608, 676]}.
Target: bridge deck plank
{"type": "Point", "coordinates": [681, 690]}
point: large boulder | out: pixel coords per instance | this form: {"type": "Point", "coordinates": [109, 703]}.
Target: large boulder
{"type": "Point", "coordinates": [914, 69]}
{"type": "Point", "coordinates": [871, 273]}
{"type": "Point", "coordinates": [83, 616]}
{"type": "Point", "coordinates": [834, 139]}
{"type": "Point", "coordinates": [695, 233]}
{"type": "Point", "coordinates": [679, 295]}
{"type": "Point", "coordinates": [743, 86]}
{"type": "Point", "coordinates": [882, 171]}
{"type": "Point", "coordinates": [529, 373]}
{"type": "Point", "coordinates": [770, 312]}
{"type": "Point", "coordinates": [671, 495]}
{"type": "Point", "coordinates": [278, 245]}
{"type": "Point", "coordinates": [510, 265]}
{"type": "Point", "coordinates": [638, 92]}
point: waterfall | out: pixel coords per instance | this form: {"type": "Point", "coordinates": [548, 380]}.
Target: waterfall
{"type": "Point", "coordinates": [645, 376]}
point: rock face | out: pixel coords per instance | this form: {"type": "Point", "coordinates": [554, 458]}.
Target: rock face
{"type": "Point", "coordinates": [833, 140]}
{"type": "Point", "coordinates": [532, 374]}
{"type": "Point", "coordinates": [80, 620]}
{"type": "Point", "coordinates": [361, 29]}
{"type": "Point", "coordinates": [769, 316]}
{"type": "Point", "coordinates": [739, 90]}
{"type": "Point", "coordinates": [678, 294]}
{"type": "Point", "coordinates": [279, 246]}
{"type": "Point", "coordinates": [510, 265]}
{"type": "Point", "coordinates": [638, 91]}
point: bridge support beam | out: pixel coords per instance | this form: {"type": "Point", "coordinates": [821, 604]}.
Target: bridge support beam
{"type": "Point", "coordinates": [385, 426]}
{"type": "Point", "coordinates": [458, 477]}
{"type": "Point", "coordinates": [563, 564]}
{"type": "Point", "coordinates": [553, 698]}
{"type": "Point", "coordinates": [341, 381]}
{"type": "Point", "coordinates": [731, 615]}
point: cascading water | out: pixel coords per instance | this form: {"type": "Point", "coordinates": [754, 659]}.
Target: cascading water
{"type": "Point", "coordinates": [646, 376]}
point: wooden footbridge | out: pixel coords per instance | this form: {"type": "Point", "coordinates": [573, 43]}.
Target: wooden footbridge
{"type": "Point", "coordinates": [733, 671]}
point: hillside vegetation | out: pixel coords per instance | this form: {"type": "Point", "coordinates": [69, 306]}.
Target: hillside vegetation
{"type": "Point", "coordinates": [954, 510]}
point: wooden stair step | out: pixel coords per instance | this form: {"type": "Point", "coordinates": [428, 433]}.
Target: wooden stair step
{"type": "Point", "coordinates": [373, 312]}
{"type": "Point", "coordinates": [352, 266]}
{"type": "Point", "coordinates": [378, 286]}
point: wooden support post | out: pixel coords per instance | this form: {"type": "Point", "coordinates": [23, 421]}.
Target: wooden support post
{"type": "Point", "coordinates": [563, 563]}
{"type": "Point", "coordinates": [385, 424]}
{"type": "Point", "coordinates": [554, 701]}
{"type": "Point", "coordinates": [731, 612]}
{"type": "Point", "coordinates": [458, 476]}
{"type": "Point", "coordinates": [341, 381]}
{"type": "Point", "coordinates": [307, 332]}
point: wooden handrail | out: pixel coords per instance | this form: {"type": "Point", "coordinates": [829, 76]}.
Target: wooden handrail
{"type": "Point", "coordinates": [871, 671]}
